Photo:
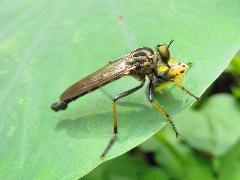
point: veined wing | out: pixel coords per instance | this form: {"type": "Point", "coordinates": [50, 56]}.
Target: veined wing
{"type": "Point", "coordinates": [113, 71]}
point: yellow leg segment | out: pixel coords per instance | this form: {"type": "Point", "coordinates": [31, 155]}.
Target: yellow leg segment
{"type": "Point", "coordinates": [185, 90]}
{"type": "Point", "coordinates": [115, 130]}
{"type": "Point", "coordinates": [114, 136]}
{"type": "Point", "coordinates": [114, 116]}
{"type": "Point", "coordinates": [159, 108]}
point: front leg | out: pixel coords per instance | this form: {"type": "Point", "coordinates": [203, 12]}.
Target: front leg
{"type": "Point", "coordinates": [150, 96]}
{"type": "Point", "coordinates": [160, 79]}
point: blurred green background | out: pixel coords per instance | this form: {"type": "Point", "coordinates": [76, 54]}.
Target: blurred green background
{"type": "Point", "coordinates": [208, 148]}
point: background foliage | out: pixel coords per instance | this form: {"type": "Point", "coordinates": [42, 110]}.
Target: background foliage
{"type": "Point", "coordinates": [47, 45]}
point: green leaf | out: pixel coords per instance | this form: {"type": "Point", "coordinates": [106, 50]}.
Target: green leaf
{"type": "Point", "coordinates": [235, 64]}
{"type": "Point", "coordinates": [215, 128]}
{"type": "Point", "coordinates": [154, 173]}
{"type": "Point", "coordinates": [236, 91]}
{"type": "Point", "coordinates": [125, 167]}
{"type": "Point", "coordinates": [45, 46]}
{"type": "Point", "coordinates": [178, 160]}
{"type": "Point", "coordinates": [230, 164]}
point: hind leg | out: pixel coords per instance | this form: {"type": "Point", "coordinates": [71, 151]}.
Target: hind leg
{"type": "Point", "coordinates": [115, 129]}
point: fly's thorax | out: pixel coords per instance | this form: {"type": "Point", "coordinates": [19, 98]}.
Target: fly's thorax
{"type": "Point", "coordinates": [144, 60]}
{"type": "Point", "coordinates": [143, 68]}
{"type": "Point", "coordinates": [140, 55]}
{"type": "Point", "coordinates": [143, 51]}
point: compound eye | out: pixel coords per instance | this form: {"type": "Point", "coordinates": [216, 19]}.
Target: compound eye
{"type": "Point", "coordinates": [164, 52]}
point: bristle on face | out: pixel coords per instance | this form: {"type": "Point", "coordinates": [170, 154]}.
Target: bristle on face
{"type": "Point", "coordinates": [177, 70]}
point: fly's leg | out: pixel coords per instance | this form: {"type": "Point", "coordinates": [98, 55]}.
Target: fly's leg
{"type": "Point", "coordinates": [186, 91]}
{"type": "Point", "coordinates": [115, 128]}
{"type": "Point", "coordinates": [150, 96]}
{"type": "Point", "coordinates": [161, 78]}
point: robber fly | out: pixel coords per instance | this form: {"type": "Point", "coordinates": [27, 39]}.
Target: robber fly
{"type": "Point", "coordinates": [140, 63]}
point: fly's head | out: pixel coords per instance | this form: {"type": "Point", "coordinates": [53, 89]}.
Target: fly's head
{"type": "Point", "coordinates": [163, 52]}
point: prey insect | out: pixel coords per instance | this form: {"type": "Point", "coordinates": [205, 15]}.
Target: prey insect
{"type": "Point", "coordinates": [139, 63]}
{"type": "Point", "coordinates": [167, 75]}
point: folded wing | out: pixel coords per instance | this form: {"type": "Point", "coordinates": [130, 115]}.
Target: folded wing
{"type": "Point", "coordinates": [113, 71]}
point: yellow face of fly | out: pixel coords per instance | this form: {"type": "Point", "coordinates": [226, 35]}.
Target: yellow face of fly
{"type": "Point", "coordinates": [176, 72]}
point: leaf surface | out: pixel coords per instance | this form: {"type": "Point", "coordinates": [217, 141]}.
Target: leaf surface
{"type": "Point", "coordinates": [45, 46]}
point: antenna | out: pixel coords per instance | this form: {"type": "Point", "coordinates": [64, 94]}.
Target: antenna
{"type": "Point", "coordinates": [170, 43]}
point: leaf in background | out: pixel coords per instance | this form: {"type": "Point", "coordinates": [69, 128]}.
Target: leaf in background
{"type": "Point", "coordinates": [213, 129]}
{"type": "Point", "coordinates": [154, 173]}
{"type": "Point", "coordinates": [236, 91]}
{"type": "Point", "coordinates": [178, 160]}
{"type": "Point", "coordinates": [45, 46]}
{"type": "Point", "coordinates": [235, 64]}
{"type": "Point", "coordinates": [230, 164]}
{"type": "Point", "coordinates": [151, 145]}
{"type": "Point", "coordinates": [125, 167]}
